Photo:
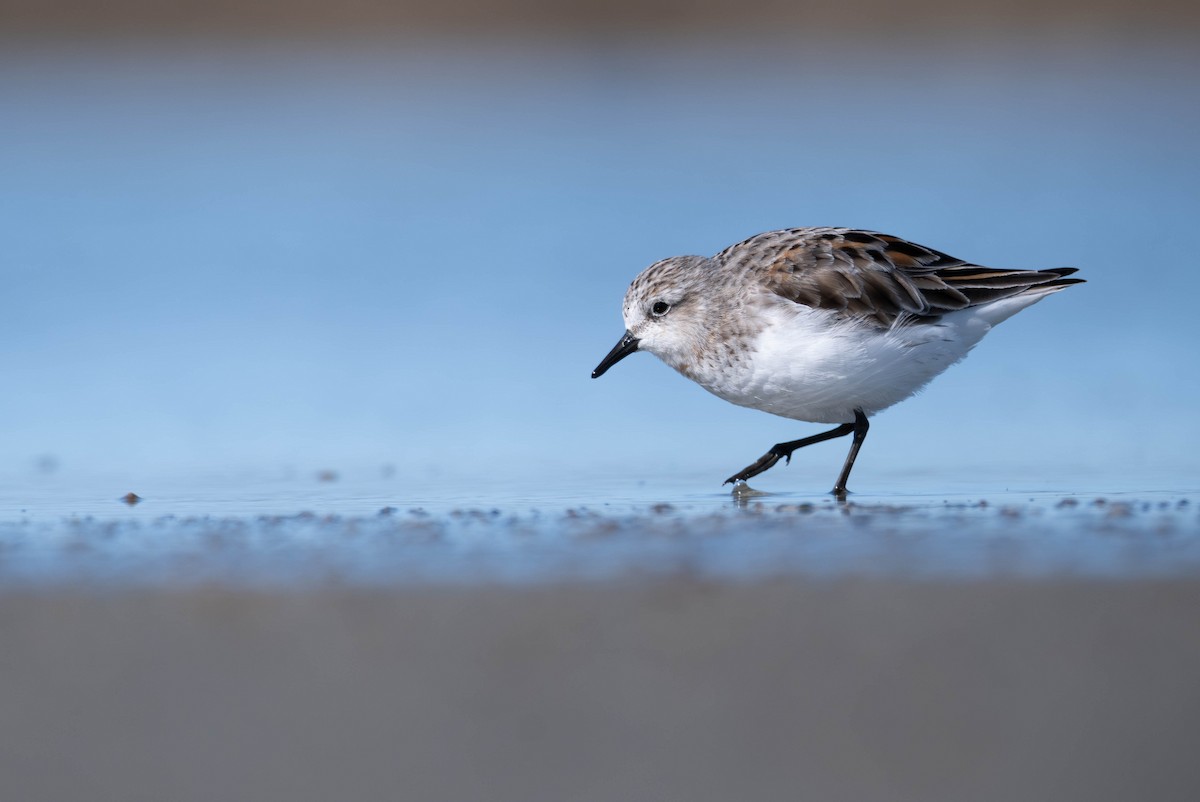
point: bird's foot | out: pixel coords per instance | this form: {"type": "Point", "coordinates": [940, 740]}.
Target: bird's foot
{"type": "Point", "coordinates": [763, 463]}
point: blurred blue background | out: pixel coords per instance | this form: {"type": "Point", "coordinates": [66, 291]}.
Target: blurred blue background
{"type": "Point", "coordinates": [228, 253]}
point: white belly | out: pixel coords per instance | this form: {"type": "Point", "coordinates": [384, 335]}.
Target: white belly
{"type": "Point", "coordinates": [809, 365]}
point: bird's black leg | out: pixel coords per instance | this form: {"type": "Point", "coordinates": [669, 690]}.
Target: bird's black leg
{"type": "Point", "coordinates": [859, 428]}
{"type": "Point", "coordinates": [784, 450]}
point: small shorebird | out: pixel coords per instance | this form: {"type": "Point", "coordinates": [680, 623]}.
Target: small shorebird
{"type": "Point", "coordinates": [828, 325]}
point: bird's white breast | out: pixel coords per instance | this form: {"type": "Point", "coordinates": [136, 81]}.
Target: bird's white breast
{"type": "Point", "coordinates": [812, 365]}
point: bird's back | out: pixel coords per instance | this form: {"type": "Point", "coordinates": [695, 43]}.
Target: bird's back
{"type": "Point", "coordinates": [878, 277]}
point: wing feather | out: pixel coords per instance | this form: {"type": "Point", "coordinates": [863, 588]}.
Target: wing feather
{"type": "Point", "coordinates": [876, 276]}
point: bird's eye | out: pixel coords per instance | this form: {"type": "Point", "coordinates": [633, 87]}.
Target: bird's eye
{"type": "Point", "coordinates": [660, 308]}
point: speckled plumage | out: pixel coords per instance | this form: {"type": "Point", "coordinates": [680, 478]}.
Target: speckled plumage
{"type": "Point", "coordinates": [828, 325]}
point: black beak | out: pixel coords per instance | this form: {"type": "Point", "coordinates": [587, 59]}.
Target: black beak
{"type": "Point", "coordinates": [627, 346]}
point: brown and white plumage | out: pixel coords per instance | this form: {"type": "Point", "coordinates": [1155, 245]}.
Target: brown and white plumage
{"type": "Point", "coordinates": [876, 276]}
{"type": "Point", "coordinates": [829, 325]}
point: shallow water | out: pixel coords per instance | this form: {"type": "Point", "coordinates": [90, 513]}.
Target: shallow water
{"type": "Point", "coordinates": [290, 531]}
{"type": "Point", "coordinates": [219, 254]}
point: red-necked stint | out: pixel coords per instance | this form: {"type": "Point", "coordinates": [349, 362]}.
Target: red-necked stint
{"type": "Point", "coordinates": [828, 325]}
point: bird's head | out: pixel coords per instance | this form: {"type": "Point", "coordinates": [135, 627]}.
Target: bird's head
{"type": "Point", "coordinates": [665, 313]}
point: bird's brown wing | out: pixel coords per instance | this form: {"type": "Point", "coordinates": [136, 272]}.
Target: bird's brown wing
{"type": "Point", "coordinates": [877, 276]}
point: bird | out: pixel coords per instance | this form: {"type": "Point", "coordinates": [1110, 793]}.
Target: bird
{"type": "Point", "coordinates": [824, 325]}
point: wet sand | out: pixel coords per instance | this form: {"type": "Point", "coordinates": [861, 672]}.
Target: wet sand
{"type": "Point", "coordinates": [662, 688]}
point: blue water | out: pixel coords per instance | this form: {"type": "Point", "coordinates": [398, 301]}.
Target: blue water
{"type": "Point", "coordinates": [405, 258]}
{"type": "Point", "coordinates": [364, 531]}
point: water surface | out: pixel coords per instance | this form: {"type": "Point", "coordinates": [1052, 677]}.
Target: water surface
{"type": "Point", "coordinates": [286, 531]}
{"type": "Point", "coordinates": [222, 255]}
